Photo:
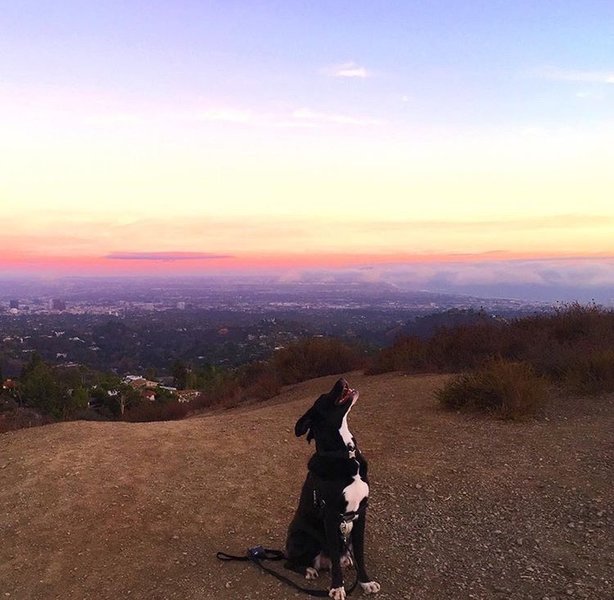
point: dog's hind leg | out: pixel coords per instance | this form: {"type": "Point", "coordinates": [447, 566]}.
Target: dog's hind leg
{"type": "Point", "coordinates": [321, 562]}
{"type": "Point", "coordinates": [333, 538]}
{"type": "Point", "coordinates": [301, 553]}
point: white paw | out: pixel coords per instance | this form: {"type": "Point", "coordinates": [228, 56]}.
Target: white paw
{"type": "Point", "coordinates": [311, 573]}
{"type": "Point", "coordinates": [337, 593]}
{"type": "Point", "coordinates": [371, 587]}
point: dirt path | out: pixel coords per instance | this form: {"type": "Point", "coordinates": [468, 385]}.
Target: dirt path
{"type": "Point", "coordinates": [461, 507]}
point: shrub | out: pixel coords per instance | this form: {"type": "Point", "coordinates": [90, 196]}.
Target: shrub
{"type": "Point", "coordinates": [571, 346]}
{"type": "Point", "coordinates": [265, 386]}
{"type": "Point", "coordinates": [468, 346]}
{"type": "Point", "coordinates": [592, 373]}
{"type": "Point", "coordinates": [406, 354]}
{"type": "Point", "coordinates": [315, 357]}
{"type": "Point", "coordinates": [89, 414]}
{"type": "Point", "coordinates": [508, 389]}
{"type": "Point", "coordinates": [157, 411]}
{"type": "Point", "coordinates": [226, 392]}
{"type": "Point", "coordinates": [19, 418]}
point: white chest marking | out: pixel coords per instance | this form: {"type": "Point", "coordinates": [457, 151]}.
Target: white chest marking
{"type": "Point", "coordinates": [354, 493]}
{"type": "Point", "coordinates": [346, 436]}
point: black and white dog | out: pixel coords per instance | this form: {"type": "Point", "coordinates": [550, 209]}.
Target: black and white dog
{"type": "Point", "coordinates": [329, 524]}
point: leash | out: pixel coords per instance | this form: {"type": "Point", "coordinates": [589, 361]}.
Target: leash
{"type": "Point", "coordinates": [258, 554]}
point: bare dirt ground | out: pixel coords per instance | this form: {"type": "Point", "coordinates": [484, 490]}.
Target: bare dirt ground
{"type": "Point", "coordinates": [461, 506]}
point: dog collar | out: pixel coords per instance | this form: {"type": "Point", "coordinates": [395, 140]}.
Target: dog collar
{"type": "Point", "coordinates": [350, 452]}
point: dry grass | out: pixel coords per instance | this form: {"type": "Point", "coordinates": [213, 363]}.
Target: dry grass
{"type": "Point", "coordinates": [571, 347]}
{"type": "Point", "coordinates": [507, 389]}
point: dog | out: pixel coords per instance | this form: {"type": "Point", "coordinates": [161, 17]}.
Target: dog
{"type": "Point", "coordinates": [328, 528]}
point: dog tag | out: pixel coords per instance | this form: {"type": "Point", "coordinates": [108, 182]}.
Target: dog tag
{"type": "Point", "coordinates": [345, 528]}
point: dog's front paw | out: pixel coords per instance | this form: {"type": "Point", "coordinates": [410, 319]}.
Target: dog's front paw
{"type": "Point", "coordinates": [337, 593]}
{"type": "Point", "coordinates": [370, 587]}
{"type": "Point", "coordinates": [311, 573]}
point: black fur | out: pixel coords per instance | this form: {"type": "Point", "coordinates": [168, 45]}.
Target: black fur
{"type": "Point", "coordinates": [315, 528]}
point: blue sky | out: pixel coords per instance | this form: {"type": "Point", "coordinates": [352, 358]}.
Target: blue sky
{"type": "Point", "coordinates": [464, 63]}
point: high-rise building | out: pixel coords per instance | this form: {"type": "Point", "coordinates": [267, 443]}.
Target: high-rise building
{"type": "Point", "coordinates": [14, 304]}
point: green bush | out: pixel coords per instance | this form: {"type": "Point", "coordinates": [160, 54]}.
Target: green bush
{"type": "Point", "coordinates": [511, 390]}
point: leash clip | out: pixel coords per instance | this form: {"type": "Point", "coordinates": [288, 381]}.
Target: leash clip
{"type": "Point", "coordinates": [256, 552]}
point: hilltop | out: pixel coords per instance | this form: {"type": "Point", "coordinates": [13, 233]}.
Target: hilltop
{"type": "Point", "coordinates": [461, 506]}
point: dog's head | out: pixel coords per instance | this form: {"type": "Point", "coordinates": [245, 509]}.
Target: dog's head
{"type": "Point", "coordinates": [324, 420]}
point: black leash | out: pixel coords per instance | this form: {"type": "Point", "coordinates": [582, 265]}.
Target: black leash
{"type": "Point", "coordinates": [258, 554]}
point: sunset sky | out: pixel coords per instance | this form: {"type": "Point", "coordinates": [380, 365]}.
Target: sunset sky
{"type": "Point", "coordinates": [202, 136]}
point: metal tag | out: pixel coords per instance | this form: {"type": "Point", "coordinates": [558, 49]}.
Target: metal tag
{"type": "Point", "coordinates": [345, 528]}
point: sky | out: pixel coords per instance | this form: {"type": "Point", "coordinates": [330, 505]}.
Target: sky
{"type": "Point", "coordinates": [195, 137]}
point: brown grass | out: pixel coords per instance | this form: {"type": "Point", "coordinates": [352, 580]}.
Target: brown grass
{"type": "Point", "coordinates": [314, 357]}
{"type": "Point", "coordinates": [508, 389]}
{"type": "Point", "coordinates": [571, 347]}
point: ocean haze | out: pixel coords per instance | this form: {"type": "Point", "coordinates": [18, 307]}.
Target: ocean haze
{"type": "Point", "coordinates": [530, 282]}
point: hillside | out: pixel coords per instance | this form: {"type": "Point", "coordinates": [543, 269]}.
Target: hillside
{"type": "Point", "coordinates": [461, 506]}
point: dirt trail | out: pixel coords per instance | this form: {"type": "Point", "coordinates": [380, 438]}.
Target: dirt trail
{"type": "Point", "coordinates": [461, 507]}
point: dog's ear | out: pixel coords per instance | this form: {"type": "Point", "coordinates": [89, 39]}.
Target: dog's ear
{"type": "Point", "coordinates": [304, 424]}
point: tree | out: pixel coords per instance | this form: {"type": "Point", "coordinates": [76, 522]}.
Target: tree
{"type": "Point", "coordinates": [180, 374]}
{"type": "Point", "coordinates": [113, 400]}
{"type": "Point", "coordinates": [79, 399]}
{"type": "Point", "coordinates": [41, 389]}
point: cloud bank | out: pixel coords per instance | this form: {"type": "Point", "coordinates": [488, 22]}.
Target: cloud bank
{"type": "Point", "coordinates": [166, 256]}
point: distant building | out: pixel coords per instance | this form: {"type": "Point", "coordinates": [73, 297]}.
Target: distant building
{"type": "Point", "coordinates": [57, 304]}
{"type": "Point", "coordinates": [9, 384]}
{"type": "Point", "coordinates": [187, 395]}
{"type": "Point", "coordinates": [137, 382]}
{"type": "Point", "coordinates": [181, 305]}
{"type": "Point", "coordinates": [149, 395]}
{"type": "Point", "coordinates": [14, 304]}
